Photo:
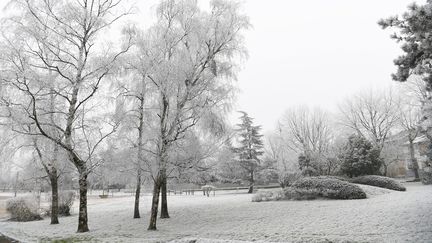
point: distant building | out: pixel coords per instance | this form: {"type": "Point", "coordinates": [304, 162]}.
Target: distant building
{"type": "Point", "coordinates": [402, 166]}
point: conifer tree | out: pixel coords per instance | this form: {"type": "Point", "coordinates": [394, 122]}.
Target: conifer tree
{"type": "Point", "coordinates": [360, 157]}
{"type": "Point", "coordinates": [250, 148]}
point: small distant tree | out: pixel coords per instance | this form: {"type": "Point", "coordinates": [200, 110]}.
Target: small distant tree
{"type": "Point", "coordinates": [250, 149]}
{"type": "Point", "coordinates": [307, 131]}
{"type": "Point", "coordinates": [360, 157]}
{"type": "Point", "coordinates": [282, 157]}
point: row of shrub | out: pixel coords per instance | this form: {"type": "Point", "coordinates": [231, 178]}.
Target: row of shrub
{"type": "Point", "coordinates": [332, 187]}
{"type": "Point", "coordinates": [379, 181]}
{"type": "Point", "coordinates": [24, 209]}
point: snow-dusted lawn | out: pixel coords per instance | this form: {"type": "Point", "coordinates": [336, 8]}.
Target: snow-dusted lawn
{"type": "Point", "coordinates": [384, 217]}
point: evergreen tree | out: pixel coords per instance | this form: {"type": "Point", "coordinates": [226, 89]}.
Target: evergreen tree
{"type": "Point", "coordinates": [250, 148]}
{"type": "Point", "coordinates": [360, 157]}
{"type": "Point", "coordinates": [414, 33]}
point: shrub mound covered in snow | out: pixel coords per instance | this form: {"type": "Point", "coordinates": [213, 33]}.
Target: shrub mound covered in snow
{"type": "Point", "coordinates": [23, 209]}
{"type": "Point", "coordinates": [309, 188]}
{"type": "Point", "coordinates": [379, 181]}
{"type": "Point", "coordinates": [313, 187]}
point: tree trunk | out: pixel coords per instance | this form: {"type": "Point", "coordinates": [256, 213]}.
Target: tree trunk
{"type": "Point", "coordinates": [413, 160]}
{"type": "Point", "coordinates": [251, 182]}
{"type": "Point", "coordinates": [140, 156]}
{"type": "Point", "coordinates": [137, 196]}
{"type": "Point", "coordinates": [82, 217]}
{"type": "Point", "coordinates": [164, 206]}
{"type": "Point", "coordinates": [54, 198]}
{"type": "Point", "coordinates": [155, 204]}
{"type": "Point", "coordinates": [385, 167]}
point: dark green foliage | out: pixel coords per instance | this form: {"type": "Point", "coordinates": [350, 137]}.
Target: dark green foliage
{"type": "Point", "coordinates": [309, 188]}
{"type": "Point", "coordinates": [426, 177]}
{"type": "Point", "coordinates": [250, 149]}
{"type": "Point", "coordinates": [359, 157]}
{"type": "Point", "coordinates": [328, 188]}
{"type": "Point", "coordinates": [307, 166]}
{"type": "Point", "coordinates": [379, 181]}
{"type": "Point", "coordinates": [414, 32]}
{"type": "Point", "coordinates": [22, 209]}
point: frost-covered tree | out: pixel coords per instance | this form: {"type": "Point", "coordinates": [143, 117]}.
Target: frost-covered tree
{"type": "Point", "coordinates": [195, 54]}
{"type": "Point", "coordinates": [250, 148]}
{"type": "Point", "coordinates": [308, 133]}
{"type": "Point", "coordinates": [360, 157]}
{"type": "Point", "coordinates": [283, 158]}
{"type": "Point", "coordinates": [56, 49]}
{"type": "Point", "coordinates": [372, 114]}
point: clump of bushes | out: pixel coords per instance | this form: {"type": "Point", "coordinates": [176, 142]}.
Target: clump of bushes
{"type": "Point", "coordinates": [426, 176]}
{"type": "Point", "coordinates": [263, 196]}
{"type": "Point", "coordinates": [66, 199]}
{"type": "Point", "coordinates": [379, 181]}
{"type": "Point", "coordinates": [287, 179]}
{"type": "Point", "coordinates": [309, 188]}
{"type": "Point", "coordinates": [23, 209]}
{"type": "Point", "coordinates": [293, 193]}
{"type": "Point", "coordinates": [328, 188]}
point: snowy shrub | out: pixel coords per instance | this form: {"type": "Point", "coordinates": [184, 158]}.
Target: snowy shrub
{"type": "Point", "coordinates": [336, 177]}
{"type": "Point", "coordinates": [328, 188]}
{"type": "Point", "coordinates": [287, 179]}
{"type": "Point", "coordinates": [66, 199]}
{"type": "Point", "coordinates": [292, 193]}
{"type": "Point", "coordinates": [23, 209]}
{"type": "Point", "coordinates": [263, 196]}
{"type": "Point", "coordinates": [379, 181]}
{"type": "Point", "coordinates": [426, 176]}
{"type": "Point", "coordinates": [65, 202]}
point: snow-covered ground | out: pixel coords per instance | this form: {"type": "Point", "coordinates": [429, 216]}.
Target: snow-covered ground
{"type": "Point", "coordinates": [386, 216]}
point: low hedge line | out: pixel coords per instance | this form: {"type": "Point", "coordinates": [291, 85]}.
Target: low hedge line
{"type": "Point", "coordinates": [379, 181]}
{"type": "Point", "coordinates": [310, 188]}
{"type": "Point", "coordinates": [329, 188]}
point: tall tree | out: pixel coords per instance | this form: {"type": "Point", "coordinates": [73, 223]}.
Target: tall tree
{"type": "Point", "coordinates": [250, 148]}
{"type": "Point", "coordinates": [55, 48]}
{"type": "Point", "coordinates": [283, 157]}
{"type": "Point", "coordinates": [413, 30]}
{"type": "Point", "coordinates": [195, 53]}
{"type": "Point", "coordinates": [372, 114]}
{"type": "Point", "coordinates": [308, 133]}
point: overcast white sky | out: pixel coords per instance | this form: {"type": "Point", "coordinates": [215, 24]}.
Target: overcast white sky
{"type": "Point", "coordinates": [314, 52]}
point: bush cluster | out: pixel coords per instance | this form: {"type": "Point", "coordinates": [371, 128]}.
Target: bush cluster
{"type": "Point", "coordinates": [310, 188]}
{"type": "Point", "coordinates": [23, 209]}
{"type": "Point", "coordinates": [379, 181]}
{"type": "Point", "coordinates": [263, 196]}
{"type": "Point", "coordinates": [66, 199]}
{"type": "Point", "coordinates": [329, 188]}
{"type": "Point", "coordinates": [65, 202]}
{"type": "Point", "coordinates": [426, 177]}
{"type": "Point", "coordinates": [292, 193]}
